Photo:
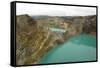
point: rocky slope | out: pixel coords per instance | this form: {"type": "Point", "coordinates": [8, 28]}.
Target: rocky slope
{"type": "Point", "coordinates": [35, 36]}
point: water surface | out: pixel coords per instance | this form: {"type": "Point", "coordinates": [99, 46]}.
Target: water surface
{"type": "Point", "coordinates": [78, 48]}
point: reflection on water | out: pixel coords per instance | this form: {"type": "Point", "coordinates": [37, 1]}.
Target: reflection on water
{"type": "Point", "coordinates": [78, 48]}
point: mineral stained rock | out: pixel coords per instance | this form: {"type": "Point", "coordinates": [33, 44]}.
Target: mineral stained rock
{"type": "Point", "coordinates": [37, 35]}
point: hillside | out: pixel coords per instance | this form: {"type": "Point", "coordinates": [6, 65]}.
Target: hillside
{"type": "Point", "coordinates": [37, 35]}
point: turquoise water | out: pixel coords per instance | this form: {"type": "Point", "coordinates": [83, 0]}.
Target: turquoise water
{"type": "Point", "coordinates": [78, 48]}
{"type": "Point", "coordinates": [57, 30]}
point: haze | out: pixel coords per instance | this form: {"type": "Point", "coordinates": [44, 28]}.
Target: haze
{"type": "Point", "coordinates": [53, 10]}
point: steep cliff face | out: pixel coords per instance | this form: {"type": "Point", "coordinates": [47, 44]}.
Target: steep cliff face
{"type": "Point", "coordinates": [86, 24]}
{"type": "Point", "coordinates": [33, 40]}
{"type": "Point", "coordinates": [35, 36]}
{"type": "Point", "coordinates": [90, 25]}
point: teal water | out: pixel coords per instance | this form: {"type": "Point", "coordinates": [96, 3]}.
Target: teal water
{"type": "Point", "coordinates": [78, 48]}
{"type": "Point", "coordinates": [57, 30]}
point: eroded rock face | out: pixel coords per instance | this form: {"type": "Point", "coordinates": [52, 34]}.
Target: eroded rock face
{"type": "Point", "coordinates": [33, 41]}
{"type": "Point", "coordinates": [90, 25]}
{"type": "Point", "coordinates": [34, 37]}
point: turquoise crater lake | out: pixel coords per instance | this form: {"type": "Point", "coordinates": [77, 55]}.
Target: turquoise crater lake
{"type": "Point", "coordinates": [78, 48]}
